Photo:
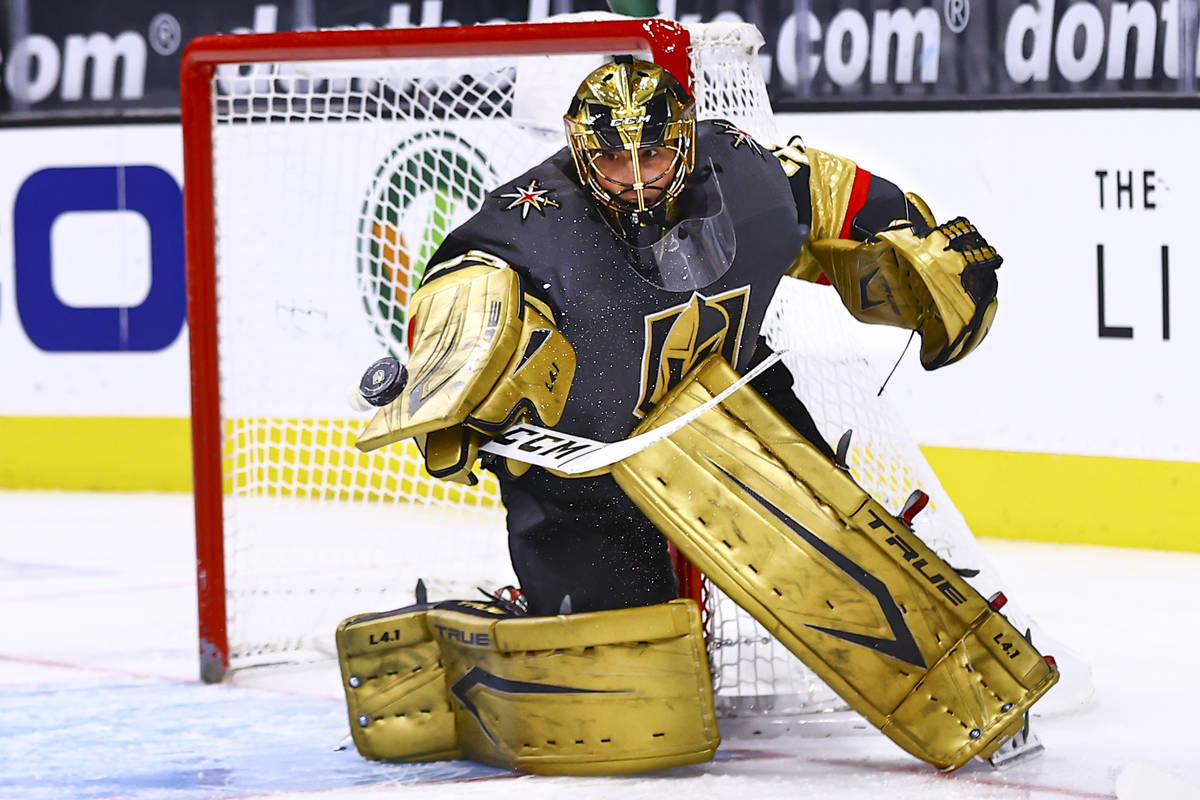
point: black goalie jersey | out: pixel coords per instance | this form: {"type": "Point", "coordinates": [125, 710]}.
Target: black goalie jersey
{"type": "Point", "coordinates": [633, 341]}
{"type": "Point", "coordinates": [632, 338]}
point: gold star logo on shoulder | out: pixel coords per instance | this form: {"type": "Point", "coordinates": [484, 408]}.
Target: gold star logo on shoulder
{"type": "Point", "coordinates": [740, 137]}
{"type": "Point", "coordinates": [530, 197]}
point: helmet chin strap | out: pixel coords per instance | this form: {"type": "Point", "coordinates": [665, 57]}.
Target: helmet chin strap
{"type": "Point", "coordinates": [637, 228]}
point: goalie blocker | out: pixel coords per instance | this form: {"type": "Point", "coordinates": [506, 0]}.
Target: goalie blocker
{"type": "Point", "coordinates": [843, 584]}
{"type": "Point", "coordinates": [484, 355]}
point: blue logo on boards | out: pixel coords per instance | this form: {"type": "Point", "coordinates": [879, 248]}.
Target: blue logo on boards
{"type": "Point", "coordinates": [53, 325]}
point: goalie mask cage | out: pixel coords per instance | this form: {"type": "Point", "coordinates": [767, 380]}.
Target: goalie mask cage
{"type": "Point", "coordinates": [322, 171]}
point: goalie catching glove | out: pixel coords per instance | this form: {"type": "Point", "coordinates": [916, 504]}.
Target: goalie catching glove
{"type": "Point", "coordinates": [484, 355]}
{"type": "Point", "coordinates": [937, 280]}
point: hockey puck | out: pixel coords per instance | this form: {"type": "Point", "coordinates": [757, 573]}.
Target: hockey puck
{"type": "Point", "coordinates": [383, 381]}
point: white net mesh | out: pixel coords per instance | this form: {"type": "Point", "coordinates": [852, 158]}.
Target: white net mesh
{"type": "Point", "coordinates": [334, 183]}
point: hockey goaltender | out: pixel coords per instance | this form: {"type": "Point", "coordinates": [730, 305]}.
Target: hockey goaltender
{"type": "Point", "coordinates": [611, 289]}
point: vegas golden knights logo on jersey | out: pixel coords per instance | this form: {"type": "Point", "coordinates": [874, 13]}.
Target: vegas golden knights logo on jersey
{"type": "Point", "coordinates": [681, 337]}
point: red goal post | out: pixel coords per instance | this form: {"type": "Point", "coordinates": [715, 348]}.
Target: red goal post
{"type": "Point", "coordinates": [666, 42]}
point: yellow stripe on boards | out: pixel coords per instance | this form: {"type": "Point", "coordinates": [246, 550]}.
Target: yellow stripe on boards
{"type": "Point", "coordinates": [96, 453]}
{"type": "Point", "coordinates": [316, 458]}
{"type": "Point", "coordinates": [1123, 502]}
{"type": "Point", "coordinates": [1058, 498]}
{"type": "Point", "coordinates": [272, 457]}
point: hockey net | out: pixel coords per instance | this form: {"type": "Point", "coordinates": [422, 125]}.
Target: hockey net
{"type": "Point", "coordinates": [322, 172]}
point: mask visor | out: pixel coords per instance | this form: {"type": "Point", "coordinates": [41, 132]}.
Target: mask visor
{"type": "Point", "coordinates": [695, 251]}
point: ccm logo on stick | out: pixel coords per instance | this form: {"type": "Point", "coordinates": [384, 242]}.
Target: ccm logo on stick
{"type": "Point", "coordinates": [58, 325]}
{"type": "Point", "coordinates": [533, 440]}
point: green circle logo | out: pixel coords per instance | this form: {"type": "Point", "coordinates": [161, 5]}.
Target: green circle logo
{"type": "Point", "coordinates": [428, 184]}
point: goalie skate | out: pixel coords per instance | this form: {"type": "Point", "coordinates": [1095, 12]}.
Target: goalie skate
{"type": "Point", "coordinates": [1023, 746]}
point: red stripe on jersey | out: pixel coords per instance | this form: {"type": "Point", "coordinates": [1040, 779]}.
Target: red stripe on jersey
{"type": "Point", "coordinates": [412, 328]}
{"type": "Point", "coordinates": [858, 199]}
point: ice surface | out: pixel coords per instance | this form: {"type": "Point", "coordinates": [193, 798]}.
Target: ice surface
{"type": "Point", "coordinates": [99, 696]}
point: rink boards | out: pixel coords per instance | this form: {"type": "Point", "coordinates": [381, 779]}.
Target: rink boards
{"type": "Point", "coordinates": [1071, 423]}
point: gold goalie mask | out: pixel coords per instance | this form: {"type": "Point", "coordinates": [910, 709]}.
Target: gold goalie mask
{"type": "Point", "coordinates": [631, 127]}
{"type": "Point", "coordinates": [632, 131]}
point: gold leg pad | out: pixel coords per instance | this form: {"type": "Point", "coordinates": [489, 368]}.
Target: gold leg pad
{"type": "Point", "coordinates": [396, 688]}
{"type": "Point", "coordinates": [602, 693]}
{"type": "Point", "coordinates": [837, 579]}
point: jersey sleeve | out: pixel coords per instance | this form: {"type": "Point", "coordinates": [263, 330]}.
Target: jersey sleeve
{"type": "Point", "coordinates": [837, 199]}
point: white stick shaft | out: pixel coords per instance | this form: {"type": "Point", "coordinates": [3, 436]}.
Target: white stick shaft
{"type": "Point", "coordinates": [575, 455]}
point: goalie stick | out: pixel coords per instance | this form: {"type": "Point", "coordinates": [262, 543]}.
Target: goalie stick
{"type": "Point", "coordinates": [565, 453]}
{"type": "Point", "coordinates": [575, 455]}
